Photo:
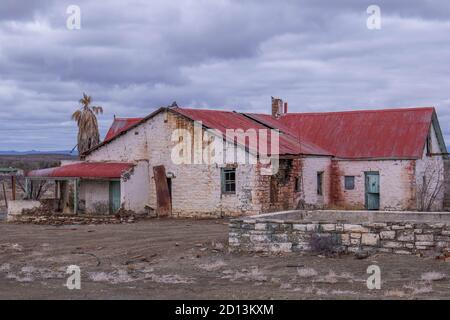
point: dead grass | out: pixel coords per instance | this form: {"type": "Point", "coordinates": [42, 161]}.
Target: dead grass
{"type": "Point", "coordinates": [433, 276]}
{"type": "Point", "coordinates": [306, 272]}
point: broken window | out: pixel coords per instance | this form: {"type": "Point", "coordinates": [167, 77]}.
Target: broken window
{"type": "Point", "coordinates": [320, 183]}
{"type": "Point", "coordinates": [349, 182]}
{"type": "Point", "coordinates": [228, 180]}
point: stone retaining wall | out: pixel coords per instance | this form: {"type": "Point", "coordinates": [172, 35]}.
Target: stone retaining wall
{"type": "Point", "coordinates": [277, 235]}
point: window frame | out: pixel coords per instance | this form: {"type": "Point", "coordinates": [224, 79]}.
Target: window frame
{"type": "Point", "coordinates": [319, 189]}
{"type": "Point", "coordinates": [352, 179]}
{"type": "Point", "coordinates": [227, 181]}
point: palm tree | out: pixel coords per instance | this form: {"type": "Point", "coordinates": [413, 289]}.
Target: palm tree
{"type": "Point", "coordinates": [86, 118]}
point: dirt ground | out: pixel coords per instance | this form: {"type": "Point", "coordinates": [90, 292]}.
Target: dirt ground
{"type": "Point", "coordinates": [189, 259]}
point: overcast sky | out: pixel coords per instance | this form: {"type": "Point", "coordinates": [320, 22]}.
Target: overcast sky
{"type": "Point", "coordinates": [135, 55]}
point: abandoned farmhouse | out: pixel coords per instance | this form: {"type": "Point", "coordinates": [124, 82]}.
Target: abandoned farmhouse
{"type": "Point", "coordinates": [389, 159]}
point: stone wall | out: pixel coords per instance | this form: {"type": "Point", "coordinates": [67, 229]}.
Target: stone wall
{"type": "Point", "coordinates": [274, 234]}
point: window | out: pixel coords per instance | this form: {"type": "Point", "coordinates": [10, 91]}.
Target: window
{"type": "Point", "coordinates": [298, 184]}
{"type": "Point", "coordinates": [349, 182]}
{"type": "Point", "coordinates": [429, 145]}
{"type": "Point", "coordinates": [228, 180]}
{"type": "Point", "coordinates": [320, 183]}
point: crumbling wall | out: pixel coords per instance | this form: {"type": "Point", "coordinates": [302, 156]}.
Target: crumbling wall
{"type": "Point", "coordinates": [278, 191]}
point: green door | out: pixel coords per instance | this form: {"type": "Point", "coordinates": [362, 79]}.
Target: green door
{"type": "Point", "coordinates": [114, 196]}
{"type": "Point", "coordinates": [372, 191]}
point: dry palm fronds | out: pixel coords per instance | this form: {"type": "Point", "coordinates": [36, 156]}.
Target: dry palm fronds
{"type": "Point", "coordinates": [88, 134]}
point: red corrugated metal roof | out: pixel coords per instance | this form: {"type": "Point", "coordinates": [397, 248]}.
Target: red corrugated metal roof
{"type": "Point", "coordinates": [390, 133]}
{"type": "Point", "coordinates": [107, 170]}
{"type": "Point", "coordinates": [223, 120]}
{"type": "Point", "coordinates": [119, 125]}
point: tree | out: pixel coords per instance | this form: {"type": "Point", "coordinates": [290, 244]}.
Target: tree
{"type": "Point", "coordinates": [86, 118]}
{"type": "Point", "coordinates": [429, 190]}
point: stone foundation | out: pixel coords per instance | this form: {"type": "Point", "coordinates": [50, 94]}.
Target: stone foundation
{"type": "Point", "coordinates": [386, 232]}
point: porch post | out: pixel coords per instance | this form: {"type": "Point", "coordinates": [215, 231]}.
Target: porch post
{"type": "Point", "coordinates": [75, 196]}
{"type": "Point", "coordinates": [13, 187]}
{"type": "Point", "coordinates": [27, 189]}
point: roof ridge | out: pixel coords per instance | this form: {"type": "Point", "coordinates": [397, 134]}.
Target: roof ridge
{"type": "Point", "coordinates": [361, 111]}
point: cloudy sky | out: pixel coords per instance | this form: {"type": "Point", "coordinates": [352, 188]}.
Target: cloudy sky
{"type": "Point", "coordinates": [135, 55]}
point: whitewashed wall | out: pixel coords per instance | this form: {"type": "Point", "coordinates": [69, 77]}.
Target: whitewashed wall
{"type": "Point", "coordinates": [95, 194]}
{"type": "Point", "coordinates": [432, 167]}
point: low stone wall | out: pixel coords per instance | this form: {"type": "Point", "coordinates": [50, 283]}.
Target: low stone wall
{"type": "Point", "coordinates": [294, 231]}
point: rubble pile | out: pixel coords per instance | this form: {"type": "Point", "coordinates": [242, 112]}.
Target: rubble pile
{"type": "Point", "coordinates": [46, 208]}
{"type": "Point", "coordinates": [46, 215]}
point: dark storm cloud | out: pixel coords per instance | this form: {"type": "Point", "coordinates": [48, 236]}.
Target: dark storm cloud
{"type": "Point", "coordinates": [133, 56]}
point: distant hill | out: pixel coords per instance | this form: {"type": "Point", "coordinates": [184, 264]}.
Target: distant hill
{"type": "Point", "coordinates": [36, 152]}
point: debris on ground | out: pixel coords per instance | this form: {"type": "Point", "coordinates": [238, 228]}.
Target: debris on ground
{"type": "Point", "coordinates": [45, 215]}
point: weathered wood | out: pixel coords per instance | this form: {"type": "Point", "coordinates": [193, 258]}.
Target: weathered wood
{"type": "Point", "coordinates": [164, 206]}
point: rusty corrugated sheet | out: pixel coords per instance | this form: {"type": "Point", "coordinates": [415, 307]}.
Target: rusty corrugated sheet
{"type": "Point", "coordinates": [164, 205]}
{"type": "Point", "coordinates": [390, 133]}
{"type": "Point", "coordinates": [223, 120]}
{"type": "Point", "coordinates": [120, 125]}
{"type": "Point", "coordinates": [108, 170]}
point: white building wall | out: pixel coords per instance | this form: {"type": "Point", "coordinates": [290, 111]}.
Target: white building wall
{"type": "Point", "coordinates": [134, 188]}
{"type": "Point", "coordinates": [130, 147]}
{"type": "Point", "coordinates": [310, 167]}
{"type": "Point", "coordinates": [196, 188]}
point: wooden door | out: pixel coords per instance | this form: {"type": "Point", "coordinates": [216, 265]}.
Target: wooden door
{"type": "Point", "coordinates": [372, 191]}
{"type": "Point", "coordinates": [114, 196]}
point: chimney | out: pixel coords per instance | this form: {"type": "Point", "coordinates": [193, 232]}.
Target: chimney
{"type": "Point", "coordinates": [278, 107]}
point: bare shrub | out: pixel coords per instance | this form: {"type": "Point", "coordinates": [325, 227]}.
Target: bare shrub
{"type": "Point", "coordinates": [430, 187]}
{"type": "Point", "coordinates": [100, 208]}
{"type": "Point", "coordinates": [324, 244]}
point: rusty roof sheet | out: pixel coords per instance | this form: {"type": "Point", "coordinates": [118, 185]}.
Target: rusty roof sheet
{"type": "Point", "coordinates": [389, 133]}
{"type": "Point", "coordinates": [120, 125]}
{"type": "Point", "coordinates": [93, 170]}
{"type": "Point", "coordinates": [223, 120]}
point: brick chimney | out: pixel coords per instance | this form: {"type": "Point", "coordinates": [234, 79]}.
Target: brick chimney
{"type": "Point", "coordinates": [278, 107]}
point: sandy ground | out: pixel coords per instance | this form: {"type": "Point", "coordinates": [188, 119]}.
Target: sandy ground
{"type": "Point", "coordinates": [188, 259]}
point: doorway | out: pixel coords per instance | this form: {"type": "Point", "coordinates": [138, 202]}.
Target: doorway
{"type": "Point", "coordinates": [372, 179]}
{"type": "Point", "coordinates": [114, 196]}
